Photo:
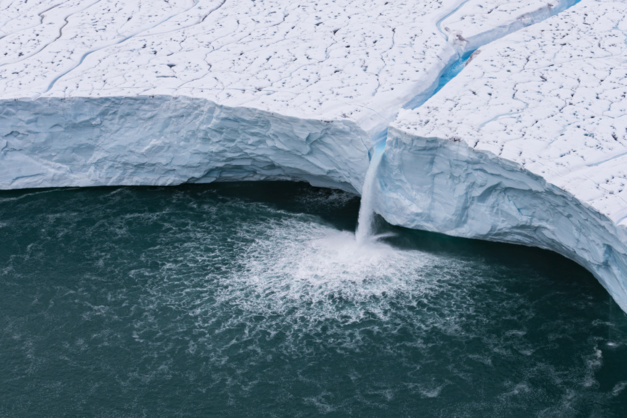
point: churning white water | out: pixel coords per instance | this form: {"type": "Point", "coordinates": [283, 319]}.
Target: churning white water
{"type": "Point", "coordinates": [255, 296]}
{"type": "Point", "coordinates": [366, 210]}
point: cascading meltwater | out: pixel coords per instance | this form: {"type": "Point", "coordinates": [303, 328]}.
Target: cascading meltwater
{"type": "Point", "coordinates": [365, 221]}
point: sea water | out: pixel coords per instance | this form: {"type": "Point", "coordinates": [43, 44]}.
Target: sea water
{"type": "Point", "coordinates": [254, 299]}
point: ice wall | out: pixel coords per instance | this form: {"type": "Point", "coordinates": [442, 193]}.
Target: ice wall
{"type": "Point", "coordinates": [163, 140]}
{"type": "Point", "coordinates": [446, 186]}
{"type": "Point", "coordinates": [528, 144]}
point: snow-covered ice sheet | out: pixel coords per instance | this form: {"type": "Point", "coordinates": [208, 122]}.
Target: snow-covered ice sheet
{"type": "Point", "coordinates": [358, 60]}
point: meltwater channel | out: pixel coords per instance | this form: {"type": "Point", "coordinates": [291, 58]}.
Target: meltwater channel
{"type": "Point", "coordinates": [253, 299]}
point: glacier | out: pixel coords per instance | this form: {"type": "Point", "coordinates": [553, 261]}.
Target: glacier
{"type": "Point", "coordinates": [527, 144]}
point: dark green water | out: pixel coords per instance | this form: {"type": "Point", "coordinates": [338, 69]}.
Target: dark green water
{"type": "Point", "coordinates": [253, 300]}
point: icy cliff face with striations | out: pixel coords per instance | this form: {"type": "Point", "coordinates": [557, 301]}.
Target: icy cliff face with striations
{"type": "Point", "coordinates": [107, 92]}
{"type": "Point", "coordinates": [169, 140]}
{"type": "Point", "coordinates": [527, 145]}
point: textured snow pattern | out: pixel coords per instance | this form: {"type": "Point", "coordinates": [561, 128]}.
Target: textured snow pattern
{"type": "Point", "coordinates": [359, 60]}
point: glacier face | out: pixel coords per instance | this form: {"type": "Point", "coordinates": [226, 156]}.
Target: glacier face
{"type": "Point", "coordinates": [448, 187]}
{"type": "Point", "coordinates": [526, 145]}
{"type": "Point", "coordinates": [164, 140]}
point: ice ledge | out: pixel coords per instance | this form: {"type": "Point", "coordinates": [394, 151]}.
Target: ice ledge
{"type": "Point", "coordinates": [163, 140]}
{"type": "Point", "coordinates": [527, 145]}
{"type": "Point", "coordinates": [448, 187]}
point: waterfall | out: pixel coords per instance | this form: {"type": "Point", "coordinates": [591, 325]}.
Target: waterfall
{"type": "Point", "coordinates": [366, 211]}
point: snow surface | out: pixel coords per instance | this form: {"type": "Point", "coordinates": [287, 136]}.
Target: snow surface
{"type": "Point", "coordinates": [107, 92]}
{"type": "Point", "coordinates": [358, 60]}
{"type": "Point", "coordinates": [546, 109]}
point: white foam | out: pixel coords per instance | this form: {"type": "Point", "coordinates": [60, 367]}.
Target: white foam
{"type": "Point", "coordinates": [302, 267]}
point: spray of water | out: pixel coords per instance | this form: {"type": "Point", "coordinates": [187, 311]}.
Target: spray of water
{"type": "Point", "coordinates": [366, 210]}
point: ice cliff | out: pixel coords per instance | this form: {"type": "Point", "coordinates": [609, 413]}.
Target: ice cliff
{"type": "Point", "coordinates": [527, 145]}
{"type": "Point", "coordinates": [524, 145]}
